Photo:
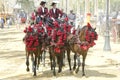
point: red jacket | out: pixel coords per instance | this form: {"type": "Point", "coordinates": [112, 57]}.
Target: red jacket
{"type": "Point", "coordinates": [40, 11]}
{"type": "Point", "coordinates": [56, 14]}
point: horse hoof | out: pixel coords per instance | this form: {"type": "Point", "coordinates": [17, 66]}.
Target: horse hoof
{"type": "Point", "coordinates": [54, 74]}
{"type": "Point", "coordinates": [59, 71]}
{"type": "Point", "coordinates": [34, 75]}
{"type": "Point", "coordinates": [74, 68]}
{"type": "Point", "coordinates": [83, 74]}
{"type": "Point", "coordinates": [63, 65]}
{"type": "Point", "coordinates": [71, 71]}
{"type": "Point", "coordinates": [27, 69]}
{"type": "Point", "coordinates": [51, 69]}
{"type": "Point", "coordinates": [74, 73]}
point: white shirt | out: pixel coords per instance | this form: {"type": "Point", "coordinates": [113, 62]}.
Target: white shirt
{"type": "Point", "coordinates": [43, 9]}
{"type": "Point", "coordinates": [54, 10]}
{"type": "Point", "coordinates": [118, 19]}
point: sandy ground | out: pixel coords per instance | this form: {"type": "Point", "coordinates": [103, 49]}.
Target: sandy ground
{"type": "Point", "coordinates": [100, 65]}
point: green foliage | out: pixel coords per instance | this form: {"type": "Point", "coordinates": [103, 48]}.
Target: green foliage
{"type": "Point", "coordinates": [115, 5]}
{"type": "Point", "coordinates": [27, 5]}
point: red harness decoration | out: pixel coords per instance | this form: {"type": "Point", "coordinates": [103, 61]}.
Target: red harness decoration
{"type": "Point", "coordinates": [31, 41]}
{"type": "Point", "coordinates": [57, 49]}
{"type": "Point", "coordinates": [84, 47]}
{"type": "Point", "coordinates": [90, 38]}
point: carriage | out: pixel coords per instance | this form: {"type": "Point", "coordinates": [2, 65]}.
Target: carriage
{"type": "Point", "coordinates": [58, 39]}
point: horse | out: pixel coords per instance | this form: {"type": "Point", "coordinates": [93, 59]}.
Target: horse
{"type": "Point", "coordinates": [33, 52]}
{"type": "Point", "coordinates": [79, 45]}
{"type": "Point", "coordinates": [56, 48]}
{"type": "Point", "coordinates": [33, 46]}
{"type": "Point", "coordinates": [53, 56]}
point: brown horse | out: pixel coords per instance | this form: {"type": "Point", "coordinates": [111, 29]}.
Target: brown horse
{"type": "Point", "coordinates": [33, 48]}
{"type": "Point", "coordinates": [34, 55]}
{"type": "Point", "coordinates": [56, 56]}
{"type": "Point", "coordinates": [75, 42]}
{"type": "Point", "coordinates": [56, 50]}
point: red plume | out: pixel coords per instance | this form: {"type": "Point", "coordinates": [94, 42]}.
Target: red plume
{"type": "Point", "coordinates": [66, 19]}
{"type": "Point", "coordinates": [40, 23]}
{"type": "Point", "coordinates": [88, 25]}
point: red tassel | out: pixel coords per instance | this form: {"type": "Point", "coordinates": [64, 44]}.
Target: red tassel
{"type": "Point", "coordinates": [49, 28]}
{"type": "Point", "coordinates": [36, 43]}
{"type": "Point", "coordinates": [65, 37]}
{"type": "Point", "coordinates": [84, 47]}
{"type": "Point", "coordinates": [40, 23]}
{"type": "Point", "coordinates": [33, 16]}
{"type": "Point", "coordinates": [96, 37]}
{"type": "Point", "coordinates": [29, 29]}
{"type": "Point", "coordinates": [74, 32]}
{"type": "Point", "coordinates": [34, 49]}
{"type": "Point", "coordinates": [38, 30]}
{"type": "Point", "coordinates": [42, 30]}
{"type": "Point", "coordinates": [88, 25]}
{"type": "Point", "coordinates": [59, 33]}
{"type": "Point", "coordinates": [57, 50]}
{"type": "Point", "coordinates": [92, 44]}
{"type": "Point", "coordinates": [56, 24]}
{"type": "Point", "coordinates": [66, 19]}
{"type": "Point", "coordinates": [25, 31]}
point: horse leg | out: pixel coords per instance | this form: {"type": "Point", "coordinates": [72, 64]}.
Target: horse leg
{"type": "Point", "coordinates": [35, 63]}
{"type": "Point", "coordinates": [44, 58]}
{"type": "Point", "coordinates": [41, 57]}
{"type": "Point", "coordinates": [78, 59]}
{"type": "Point", "coordinates": [60, 62]}
{"type": "Point", "coordinates": [38, 59]}
{"type": "Point", "coordinates": [69, 59]}
{"type": "Point", "coordinates": [51, 60]}
{"type": "Point", "coordinates": [74, 67]}
{"type": "Point", "coordinates": [54, 65]}
{"type": "Point", "coordinates": [83, 65]}
{"type": "Point", "coordinates": [32, 59]}
{"type": "Point", "coordinates": [27, 61]}
{"type": "Point", "coordinates": [38, 62]}
{"type": "Point", "coordinates": [63, 61]}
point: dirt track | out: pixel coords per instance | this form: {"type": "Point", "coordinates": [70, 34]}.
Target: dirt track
{"type": "Point", "coordinates": [99, 65]}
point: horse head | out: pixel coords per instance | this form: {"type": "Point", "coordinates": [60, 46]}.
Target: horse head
{"type": "Point", "coordinates": [87, 36]}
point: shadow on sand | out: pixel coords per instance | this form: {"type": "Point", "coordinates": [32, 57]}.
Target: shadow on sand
{"type": "Point", "coordinates": [48, 74]}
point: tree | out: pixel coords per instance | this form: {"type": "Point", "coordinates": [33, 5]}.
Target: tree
{"type": "Point", "coordinates": [115, 5]}
{"type": "Point", "coordinates": [26, 5]}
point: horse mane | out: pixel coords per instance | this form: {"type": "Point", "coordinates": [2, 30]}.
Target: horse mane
{"type": "Point", "coordinates": [84, 28]}
{"type": "Point", "coordinates": [82, 33]}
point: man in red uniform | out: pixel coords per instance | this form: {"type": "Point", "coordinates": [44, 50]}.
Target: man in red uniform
{"type": "Point", "coordinates": [42, 11]}
{"type": "Point", "coordinates": [55, 12]}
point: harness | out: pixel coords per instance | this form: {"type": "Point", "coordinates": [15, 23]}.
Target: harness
{"type": "Point", "coordinates": [84, 45]}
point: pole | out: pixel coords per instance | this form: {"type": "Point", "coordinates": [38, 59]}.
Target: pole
{"type": "Point", "coordinates": [66, 5]}
{"type": "Point", "coordinates": [107, 34]}
{"type": "Point", "coordinates": [95, 7]}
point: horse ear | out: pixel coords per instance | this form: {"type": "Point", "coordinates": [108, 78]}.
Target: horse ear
{"type": "Point", "coordinates": [88, 25]}
{"type": "Point", "coordinates": [94, 28]}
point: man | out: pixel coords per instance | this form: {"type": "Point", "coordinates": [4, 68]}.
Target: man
{"type": "Point", "coordinates": [2, 21]}
{"type": "Point", "coordinates": [55, 13]}
{"type": "Point", "coordinates": [42, 11]}
{"type": "Point", "coordinates": [8, 22]}
{"type": "Point", "coordinates": [64, 15]}
{"type": "Point", "coordinates": [71, 17]}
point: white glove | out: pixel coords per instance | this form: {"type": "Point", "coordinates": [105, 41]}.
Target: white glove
{"type": "Point", "coordinates": [42, 16]}
{"type": "Point", "coordinates": [53, 19]}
